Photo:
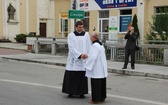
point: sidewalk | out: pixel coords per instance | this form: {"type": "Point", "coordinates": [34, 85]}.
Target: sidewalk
{"type": "Point", "coordinates": [17, 46]}
{"type": "Point", "coordinates": [113, 67]}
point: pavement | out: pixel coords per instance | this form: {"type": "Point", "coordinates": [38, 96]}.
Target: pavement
{"type": "Point", "coordinates": [144, 70]}
{"type": "Point", "coordinates": [16, 46]}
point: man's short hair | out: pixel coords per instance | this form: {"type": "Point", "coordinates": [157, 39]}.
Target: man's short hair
{"type": "Point", "coordinates": [78, 23]}
{"type": "Point", "coordinates": [95, 34]}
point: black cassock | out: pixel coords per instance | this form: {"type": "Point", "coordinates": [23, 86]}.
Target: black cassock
{"type": "Point", "coordinates": [98, 89]}
{"type": "Point", "coordinates": [75, 83]}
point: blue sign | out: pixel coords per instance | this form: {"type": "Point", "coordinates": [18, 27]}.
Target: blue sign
{"type": "Point", "coordinates": [104, 4]}
{"type": "Point", "coordinates": [125, 22]}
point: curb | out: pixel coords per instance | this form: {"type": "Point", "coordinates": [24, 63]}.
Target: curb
{"type": "Point", "coordinates": [136, 73]}
{"type": "Point", "coordinates": [15, 49]}
{"type": "Point", "coordinates": [34, 61]}
{"type": "Point", "coordinates": [117, 71]}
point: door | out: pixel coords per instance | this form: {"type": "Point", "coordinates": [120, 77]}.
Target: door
{"type": "Point", "coordinates": [43, 29]}
{"type": "Point", "coordinates": [103, 28]}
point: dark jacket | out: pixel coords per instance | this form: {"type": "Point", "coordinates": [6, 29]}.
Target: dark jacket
{"type": "Point", "coordinates": [131, 41]}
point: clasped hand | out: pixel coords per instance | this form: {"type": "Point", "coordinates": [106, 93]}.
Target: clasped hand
{"type": "Point", "coordinates": [130, 32]}
{"type": "Point", "coordinates": [84, 56]}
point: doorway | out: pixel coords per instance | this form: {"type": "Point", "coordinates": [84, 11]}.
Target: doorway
{"type": "Point", "coordinates": [104, 24]}
{"type": "Point", "coordinates": [43, 29]}
{"type": "Point", "coordinates": [103, 28]}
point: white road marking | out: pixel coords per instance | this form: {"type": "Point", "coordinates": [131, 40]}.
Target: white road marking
{"type": "Point", "coordinates": [29, 83]}
{"type": "Point", "coordinates": [109, 95]}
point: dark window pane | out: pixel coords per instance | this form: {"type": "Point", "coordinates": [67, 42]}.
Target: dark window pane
{"type": "Point", "coordinates": [105, 25]}
{"type": "Point", "coordinates": [86, 21]}
{"type": "Point", "coordinates": [61, 25]}
{"type": "Point", "coordinates": [161, 9]}
{"type": "Point", "coordinates": [64, 25]}
{"type": "Point", "coordinates": [86, 24]}
{"type": "Point", "coordinates": [126, 12]}
{"type": "Point", "coordinates": [100, 26]}
{"type": "Point", "coordinates": [87, 14]}
{"type": "Point", "coordinates": [103, 14]}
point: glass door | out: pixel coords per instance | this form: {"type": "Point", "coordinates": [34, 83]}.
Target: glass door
{"type": "Point", "coordinates": [104, 28]}
{"type": "Point", "coordinates": [103, 24]}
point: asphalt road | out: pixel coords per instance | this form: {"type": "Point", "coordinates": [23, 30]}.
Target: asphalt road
{"type": "Point", "coordinates": [23, 83]}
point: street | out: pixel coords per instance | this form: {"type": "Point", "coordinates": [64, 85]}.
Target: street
{"type": "Point", "coordinates": [23, 83]}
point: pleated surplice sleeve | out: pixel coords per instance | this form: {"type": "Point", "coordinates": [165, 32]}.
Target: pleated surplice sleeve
{"type": "Point", "coordinates": [94, 51]}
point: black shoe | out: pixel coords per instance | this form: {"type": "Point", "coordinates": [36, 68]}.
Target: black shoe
{"type": "Point", "coordinates": [124, 68]}
{"type": "Point", "coordinates": [81, 96]}
{"type": "Point", "coordinates": [133, 67]}
{"type": "Point", "coordinates": [70, 96]}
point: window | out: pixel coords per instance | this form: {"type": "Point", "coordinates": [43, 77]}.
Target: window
{"type": "Point", "coordinates": [86, 21]}
{"type": "Point", "coordinates": [103, 14]}
{"type": "Point", "coordinates": [125, 19]}
{"type": "Point", "coordinates": [162, 9]}
{"type": "Point", "coordinates": [64, 24]}
{"type": "Point", "coordinates": [126, 12]}
{"type": "Point", "coordinates": [160, 19]}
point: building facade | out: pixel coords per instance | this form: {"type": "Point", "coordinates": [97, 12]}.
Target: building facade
{"type": "Point", "coordinates": [30, 16]}
{"type": "Point", "coordinates": [49, 18]}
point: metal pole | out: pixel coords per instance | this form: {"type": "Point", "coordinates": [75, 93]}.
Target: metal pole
{"type": "Point", "coordinates": [74, 19]}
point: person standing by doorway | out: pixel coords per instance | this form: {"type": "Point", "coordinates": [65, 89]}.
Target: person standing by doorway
{"type": "Point", "coordinates": [74, 82]}
{"type": "Point", "coordinates": [131, 37]}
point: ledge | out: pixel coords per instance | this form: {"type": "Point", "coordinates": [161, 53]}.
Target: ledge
{"type": "Point", "coordinates": [12, 21]}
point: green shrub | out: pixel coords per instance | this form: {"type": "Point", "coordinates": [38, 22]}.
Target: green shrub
{"type": "Point", "coordinates": [21, 38]}
{"type": "Point", "coordinates": [135, 24]}
{"type": "Point", "coordinates": [159, 27]}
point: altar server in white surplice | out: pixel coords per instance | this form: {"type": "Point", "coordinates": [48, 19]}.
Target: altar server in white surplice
{"type": "Point", "coordinates": [75, 82]}
{"type": "Point", "coordinates": [96, 69]}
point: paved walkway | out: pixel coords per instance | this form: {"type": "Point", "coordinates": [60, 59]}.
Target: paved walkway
{"type": "Point", "coordinates": [18, 46]}
{"type": "Point", "coordinates": [114, 67]}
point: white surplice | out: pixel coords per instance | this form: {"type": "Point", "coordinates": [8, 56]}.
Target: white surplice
{"type": "Point", "coordinates": [77, 45]}
{"type": "Point", "coordinates": [96, 65]}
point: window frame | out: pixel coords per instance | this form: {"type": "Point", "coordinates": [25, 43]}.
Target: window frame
{"type": "Point", "coordinates": [119, 14]}
{"type": "Point", "coordinates": [63, 33]}
{"type": "Point", "coordinates": [87, 17]}
{"type": "Point", "coordinates": [100, 20]}
{"type": "Point", "coordinates": [155, 13]}
{"type": "Point", "coordinates": [155, 9]}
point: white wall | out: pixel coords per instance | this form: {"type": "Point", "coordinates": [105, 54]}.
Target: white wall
{"type": "Point", "coordinates": [45, 10]}
{"type": "Point", "coordinates": [141, 18]}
